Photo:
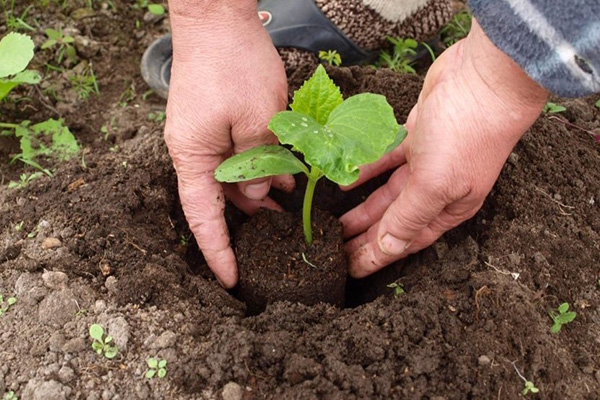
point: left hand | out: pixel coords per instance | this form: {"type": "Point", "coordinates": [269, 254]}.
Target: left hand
{"type": "Point", "coordinates": [474, 106]}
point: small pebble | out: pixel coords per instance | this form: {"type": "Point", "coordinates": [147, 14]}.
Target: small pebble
{"type": "Point", "coordinates": [232, 391]}
{"type": "Point", "coordinates": [51, 243]}
{"type": "Point", "coordinates": [483, 360]}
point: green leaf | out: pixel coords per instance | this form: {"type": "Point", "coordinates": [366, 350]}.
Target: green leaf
{"type": "Point", "coordinates": [28, 76]}
{"type": "Point", "coordinates": [150, 373]}
{"type": "Point", "coordinates": [400, 136]}
{"type": "Point", "coordinates": [565, 318]}
{"type": "Point", "coordinates": [98, 346]}
{"type": "Point", "coordinates": [48, 43]}
{"type": "Point", "coordinates": [68, 39]}
{"type": "Point", "coordinates": [16, 51]}
{"type": "Point", "coordinates": [318, 97]}
{"type": "Point", "coordinates": [152, 362]}
{"type": "Point", "coordinates": [110, 351]}
{"type": "Point", "coordinates": [358, 132]}
{"type": "Point", "coordinates": [53, 34]}
{"type": "Point", "coordinates": [11, 301]}
{"type": "Point", "coordinates": [162, 364]}
{"type": "Point", "coordinates": [156, 9]}
{"type": "Point", "coordinates": [64, 144]}
{"type": "Point", "coordinates": [563, 308]}
{"type": "Point", "coordinates": [259, 162]}
{"type": "Point", "coordinates": [96, 332]}
{"type": "Point", "coordinates": [162, 373]}
{"type": "Point", "coordinates": [556, 327]}
{"type": "Point", "coordinates": [597, 104]}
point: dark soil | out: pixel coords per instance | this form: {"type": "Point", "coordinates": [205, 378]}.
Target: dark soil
{"type": "Point", "coordinates": [105, 242]}
{"type": "Point", "coordinates": [276, 264]}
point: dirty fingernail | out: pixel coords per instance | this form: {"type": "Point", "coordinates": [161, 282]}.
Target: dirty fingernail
{"type": "Point", "coordinates": [257, 191]}
{"type": "Point", "coordinates": [391, 245]}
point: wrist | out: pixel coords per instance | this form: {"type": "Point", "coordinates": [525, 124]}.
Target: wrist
{"type": "Point", "coordinates": [211, 11]}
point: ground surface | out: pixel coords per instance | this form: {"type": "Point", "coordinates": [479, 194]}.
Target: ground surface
{"type": "Point", "coordinates": [105, 242]}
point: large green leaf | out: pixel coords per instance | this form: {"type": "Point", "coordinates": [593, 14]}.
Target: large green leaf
{"type": "Point", "coordinates": [64, 144]}
{"type": "Point", "coordinates": [358, 132]}
{"type": "Point", "coordinates": [259, 162]}
{"type": "Point", "coordinates": [318, 97]}
{"type": "Point", "coordinates": [16, 50]}
{"type": "Point", "coordinates": [28, 76]}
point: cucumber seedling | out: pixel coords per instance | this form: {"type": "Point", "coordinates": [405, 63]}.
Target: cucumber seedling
{"type": "Point", "coordinates": [336, 136]}
{"type": "Point", "coordinates": [561, 316]}
{"type": "Point", "coordinates": [16, 51]}
{"type": "Point", "coordinates": [102, 344]}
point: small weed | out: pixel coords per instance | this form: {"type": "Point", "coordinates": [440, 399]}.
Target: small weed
{"type": "Point", "coordinates": [16, 22]}
{"type": "Point", "coordinates": [34, 232]}
{"type": "Point", "coordinates": [10, 396]}
{"type": "Point", "coordinates": [561, 316]}
{"type": "Point", "coordinates": [127, 95]}
{"type": "Point", "coordinates": [64, 43]}
{"type": "Point", "coordinates": [158, 116]}
{"type": "Point", "coordinates": [398, 288]}
{"type": "Point", "coordinates": [24, 180]}
{"type": "Point", "coordinates": [19, 226]}
{"type": "Point", "coordinates": [102, 345]}
{"type": "Point", "coordinates": [156, 9]}
{"type": "Point", "coordinates": [4, 307]}
{"type": "Point", "coordinates": [19, 49]}
{"type": "Point", "coordinates": [84, 83]}
{"type": "Point", "coordinates": [552, 108]}
{"type": "Point", "coordinates": [156, 367]}
{"type": "Point", "coordinates": [331, 57]}
{"type": "Point", "coordinates": [457, 29]}
{"type": "Point", "coordinates": [82, 312]}
{"type": "Point", "coordinates": [401, 58]}
{"type": "Point", "coordinates": [597, 104]}
{"type": "Point", "coordinates": [529, 385]}
{"type": "Point", "coordinates": [184, 240]}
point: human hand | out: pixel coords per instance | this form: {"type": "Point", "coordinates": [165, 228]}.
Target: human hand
{"type": "Point", "coordinates": [227, 81]}
{"type": "Point", "coordinates": [474, 106]}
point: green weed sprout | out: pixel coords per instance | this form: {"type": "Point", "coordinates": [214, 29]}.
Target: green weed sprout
{"type": "Point", "coordinates": [336, 136]}
{"type": "Point", "coordinates": [529, 385]}
{"type": "Point", "coordinates": [16, 51]}
{"type": "Point", "coordinates": [553, 108]}
{"type": "Point", "coordinates": [398, 288]}
{"type": "Point", "coordinates": [101, 344]}
{"type": "Point", "coordinates": [64, 43]}
{"type": "Point", "coordinates": [156, 9]}
{"type": "Point", "coordinates": [457, 28]}
{"type": "Point", "coordinates": [156, 367]}
{"type": "Point", "coordinates": [597, 104]}
{"type": "Point", "coordinates": [9, 302]}
{"type": "Point", "coordinates": [561, 316]}
{"type": "Point", "coordinates": [402, 55]}
{"type": "Point", "coordinates": [331, 57]}
{"type": "Point", "coordinates": [24, 180]}
{"type": "Point", "coordinates": [10, 396]}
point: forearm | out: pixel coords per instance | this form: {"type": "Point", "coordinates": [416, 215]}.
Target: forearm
{"type": "Point", "coordinates": [556, 43]}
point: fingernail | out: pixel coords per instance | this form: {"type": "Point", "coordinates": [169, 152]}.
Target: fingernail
{"type": "Point", "coordinates": [391, 245]}
{"type": "Point", "coordinates": [257, 191]}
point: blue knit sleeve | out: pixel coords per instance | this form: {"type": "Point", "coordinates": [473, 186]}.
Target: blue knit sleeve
{"type": "Point", "coordinates": [556, 42]}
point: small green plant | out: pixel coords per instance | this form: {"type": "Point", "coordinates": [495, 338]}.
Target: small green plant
{"type": "Point", "coordinates": [16, 22]}
{"type": "Point", "coordinates": [84, 83]}
{"type": "Point", "coordinates": [157, 116]}
{"type": "Point", "coordinates": [561, 316]}
{"type": "Point", "coordinates": [529, 385]}
{"type": "Point", "coordinates": [331, 57]}
{"type": "Point", "coordinates": [336, 136]}
{"type": "Point", "coordinates": [402, 56]}
{"type": "Point", "coordinates": [24, 180]}
{"type": "Point", "coordinates": [101, 344]}
{"type": "Point", "coordinates": [64, 43]}
{"type": "Point", "coordinates": [156, 367]}
{"type": "Point", "coordinates": [156, 9]}
{"type": "Point", "coordinates": [50, 138]}
{"type": "Point", "coordinates": [4, 307]}
{"type": "Point", "coordinates": [16, 51]}
{"type": "Point", "coordinates": [457, 29]}
{"type": "Point", "coordinates": [398, 288]}
{"type": "Point", "coordinates": [10, 396]}
{"type": "Point", "coordinates": [553, 108]}
{"type": "Point", "coordinates": [597, 104]}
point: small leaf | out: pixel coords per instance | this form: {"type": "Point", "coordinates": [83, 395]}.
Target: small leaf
{"type": "Point", "coordinates": [162, 373]}
{"type": "Point", "coordinates": [11, 301]}
{"type": "Point", "coordinates": [108, 339]}
{"type": "Point", "coordinates": [563, 308]}
{"type": "Point", "coordinates": [597, 104]}
{"type": "Point", "coordinates": [97, 346]}
{"type": "Point", "coordinates": [110, 352]}
{"type": "Point", "coordinates": [400, 136]}
{"type": "Point", "coordinates": [53, 34]}
{"type": "Point", "coordinates": [317, 97]}
{"type": "Point", "coordinates": [156, 9]}
{"type": "Point", "coordinates": [566, 317]}
{"type": "Point", "coordinates": [259, 162]}
{"type": "Point", "coordinates": [48, 43]}
{"type": "Point", "coordinates": [68, 39]}
{"type": "Point", "coordinates": [96, 332]}
{"type": "Point", "coordinates": [556, 327]}
{"type": "Point", "coordinates": [162, 364]}
{"type": "Point", "coordinates": [150, 373]}
{"type": "Point", "coordinates": [534, 390]}
{"type": "Point", "coordinates": [152, 362]}
{"type": "Point", "coordinates": [16, 51]}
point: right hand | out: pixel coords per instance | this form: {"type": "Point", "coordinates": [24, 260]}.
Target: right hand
{"type": "Point", "coordinates": [227, 81]}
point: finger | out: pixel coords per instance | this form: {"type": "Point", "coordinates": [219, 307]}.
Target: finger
{"type": "Point", "coordinates": [246, 205]}
{"type": "Point", "coordinates": [366, 214]}
{"type": "Point", "coordinates": [256, 189]}
{"type": "Point", "coordinates": [203, 203]}
{"type": "Point", "coordinates": [285, 183]}
{"type": "Point", "coordinates": [391, 160]}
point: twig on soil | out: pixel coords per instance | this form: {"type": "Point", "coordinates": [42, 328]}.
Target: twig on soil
{"type": "Point", "coordinates": [144, 252]}
{"type": "Point", "coordinates": [515, 275]}
{"type": "Point", "coordinates": [482, 290]}
{"type": "Point", "coordinates": [595, 135]}
{"type": "Point", "coordinates": [48, 106]}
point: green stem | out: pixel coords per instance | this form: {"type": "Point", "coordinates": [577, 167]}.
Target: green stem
{"type": "Point", "coordinates": [313, 177]}
{"type": "Point", "coordinates": [9, 126]}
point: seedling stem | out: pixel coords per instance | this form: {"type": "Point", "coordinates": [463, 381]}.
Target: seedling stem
{"type": "Point", "coordinates": [313, 178]}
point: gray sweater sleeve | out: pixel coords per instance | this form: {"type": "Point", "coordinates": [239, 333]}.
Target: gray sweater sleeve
{"type": "Point", "coordinates": [556, 42]}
